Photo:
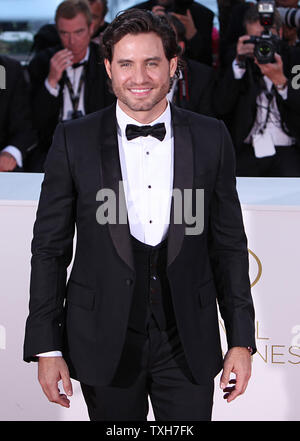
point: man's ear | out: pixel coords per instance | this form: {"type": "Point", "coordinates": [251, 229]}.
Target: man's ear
{"type": "Point", "coordinates": [107, 67]}
{"type": "Point", "coordinates": [92, 28]}
{"type": "Point", "coordinates": [173, 66]}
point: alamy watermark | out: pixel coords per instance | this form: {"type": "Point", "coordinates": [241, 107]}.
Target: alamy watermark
{"type": "Point", "coordinates": [296, 79]}
{"type": "Point", "coordinates": [2, 77]}
{"type": "Point", "coordinates": [113, 212]}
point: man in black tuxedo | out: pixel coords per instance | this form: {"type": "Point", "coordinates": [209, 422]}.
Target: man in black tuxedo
{"type": "Point", "coordinates": [16, 133]}
{"type": "Point", "coordinates": [68, 81]}
{"type": "Point", "coordinates": [139, 315]}
{"type": "Point", "coordinates": [198, 22]}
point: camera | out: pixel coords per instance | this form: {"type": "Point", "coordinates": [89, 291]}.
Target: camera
{"type": "Point", "coordinates": [290, 17]}
{"type": "Point", "coordinates": [267, 44]}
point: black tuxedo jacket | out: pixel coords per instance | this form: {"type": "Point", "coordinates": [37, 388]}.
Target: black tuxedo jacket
{"type": "Point", "coordinates": [46, 107]}
{"type": "Point", "coordinates": [87, 319]}
{"type": "Point", "coordinates": [199, 47]}
{"type": "Point", "coordinates": [15, 115]}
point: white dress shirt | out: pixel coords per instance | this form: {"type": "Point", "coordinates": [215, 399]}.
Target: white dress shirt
{"type": "Point", "coordinates": [147, 174]}
{"type": "Point", "coordinates": [74, 76]}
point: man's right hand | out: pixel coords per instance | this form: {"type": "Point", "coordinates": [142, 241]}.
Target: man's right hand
{"type": "Point", "coordinates": [244, 50]}
{"type": "Point", "coordinates": [50, 371]}
{"type": "Point", "coordinates": [58, 63]}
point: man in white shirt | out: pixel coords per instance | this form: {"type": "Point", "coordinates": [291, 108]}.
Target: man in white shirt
{"type": "Point", "coordinates": [140, 316]}
{"type": "Point", "coordinates": [261, 107]}
{"type": "Point", "coordinates": [68, 81]}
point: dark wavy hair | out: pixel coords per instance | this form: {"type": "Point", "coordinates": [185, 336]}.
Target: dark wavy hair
{"type": "Point", "coordinates": [140, 21]}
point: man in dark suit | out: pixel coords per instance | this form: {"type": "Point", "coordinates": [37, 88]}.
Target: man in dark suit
{"type": "Point", "coordinates": [99, 9]}
{"type": "Point", "coordinates": [198, 22]}
{"type": "Point", "coordinates": [139, 315]}
{"type": "Point", "coordinates": [16, 133]}
{"type": "Point", "coordinates": [68, 81]}
{"type": "Point", "coordinates": [193, 90]}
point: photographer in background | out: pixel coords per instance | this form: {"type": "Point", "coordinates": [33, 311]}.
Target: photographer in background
{"type": "Point", "coordinates": [198, 23]}
{"type": "Point", "coordinates": [256, 100]}
{"type": "Point", "coordinates": [290, 17]}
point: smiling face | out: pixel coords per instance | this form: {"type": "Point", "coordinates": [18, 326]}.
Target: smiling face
{"type": "Point", "coordinates": [140, 75]}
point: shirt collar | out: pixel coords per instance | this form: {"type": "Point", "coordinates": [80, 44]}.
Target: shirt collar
{"type": "Point", "coordinates": [85, 58]}
{"type": "Point", "coordinates": [123, 119]}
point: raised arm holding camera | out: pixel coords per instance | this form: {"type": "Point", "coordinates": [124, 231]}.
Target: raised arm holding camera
{"type": "Point", "coordinates": [256, 98]}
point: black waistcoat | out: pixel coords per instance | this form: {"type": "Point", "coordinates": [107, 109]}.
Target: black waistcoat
{"type": "Point", "coordinates": [152, 294]}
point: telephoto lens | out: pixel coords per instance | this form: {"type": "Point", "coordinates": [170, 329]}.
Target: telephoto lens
{"type": "Point", "coordinates": [290, 17]}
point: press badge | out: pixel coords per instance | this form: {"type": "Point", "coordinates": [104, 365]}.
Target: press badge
{"type": "Point", "coordinates": [263, 145]}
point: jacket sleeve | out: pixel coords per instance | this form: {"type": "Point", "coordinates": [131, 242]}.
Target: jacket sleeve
{"type": "Point", "coordinates": [19, 129]}
{"type": "Point", "coordinates": [52, 248]}
{"type": "Point", "coordinates": [228, 252]}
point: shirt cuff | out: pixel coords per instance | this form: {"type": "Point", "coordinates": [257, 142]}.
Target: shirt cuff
{"type": "Point", "coordinates": [15, 152]}
{"type": "Point", "coordinates": [52, 90]}
{"type": "Point", "coordinates": [283, 92]}
{"type": "Point", "coordinates": [50, 354]}
{"type": "Point", "coordinates": [238, 72]}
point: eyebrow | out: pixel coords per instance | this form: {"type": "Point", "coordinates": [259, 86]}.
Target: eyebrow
{"type": "Point", "coordinates": [124, 60]}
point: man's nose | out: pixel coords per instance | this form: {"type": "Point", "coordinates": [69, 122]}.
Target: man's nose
{"type": "Point", "coordinates": [140, 75]}
{"type": "Point", "coordinates": [71, 39]}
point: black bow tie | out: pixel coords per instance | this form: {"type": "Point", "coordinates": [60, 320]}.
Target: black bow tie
{"type": "Point", "coordinates": [82, 63]}
{"type": "Point", "coordinates": [157, 131]}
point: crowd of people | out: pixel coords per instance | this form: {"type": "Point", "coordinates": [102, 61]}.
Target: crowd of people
{"type": "Point", "coordinates": [219, 76]}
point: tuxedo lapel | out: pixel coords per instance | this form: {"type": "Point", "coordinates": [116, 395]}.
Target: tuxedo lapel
{"type": "Point", "coordinates": [183, 177]}
{"type": "Point", "coordinates": [112, 176]}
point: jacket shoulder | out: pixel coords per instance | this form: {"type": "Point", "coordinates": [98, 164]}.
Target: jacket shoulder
{"type": "Point", "coordinates": [87, 123]}
{"type": "Point", "coordinates": [194, 119]}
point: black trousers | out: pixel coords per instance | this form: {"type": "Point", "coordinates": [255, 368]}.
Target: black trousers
{"type": "Point", "coordinates": [151, 365]}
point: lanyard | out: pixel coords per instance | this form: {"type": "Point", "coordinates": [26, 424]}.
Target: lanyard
{"type": "Point", "coordinates": [75, 97]}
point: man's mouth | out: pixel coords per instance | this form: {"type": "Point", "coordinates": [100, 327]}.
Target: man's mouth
{"type": "Point", "coordinates": [140, 92]}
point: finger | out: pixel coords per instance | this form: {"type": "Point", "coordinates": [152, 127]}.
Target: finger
{"type": "Point", "coordinates": [239, 388]}
{"type": "Point", "coordinates": [51, 391]}
{"type": "Point", "coordinates": [62, 58]}
{"type": "Point", "coordinates": [67, 385]}
{"type": "Point", "coordinates": [55, 397]}
{"type": "Point", "coordinates": [225, 376]}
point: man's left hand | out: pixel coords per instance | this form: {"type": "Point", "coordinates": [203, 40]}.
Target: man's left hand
{"type": "Point", "coordinates": [7, 162]}
{"type": "Point", "coordinates": [274, 71]}
{"type": "Point", "coordinates": [188, 22]}
{"type": "Point", "coordinates": [238, 361]}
